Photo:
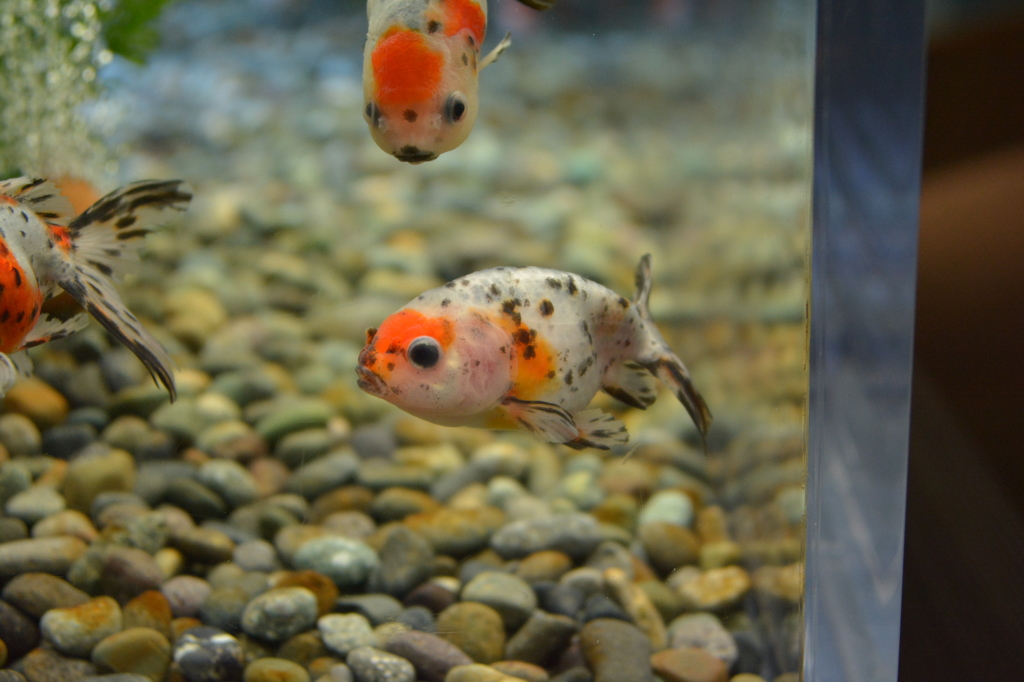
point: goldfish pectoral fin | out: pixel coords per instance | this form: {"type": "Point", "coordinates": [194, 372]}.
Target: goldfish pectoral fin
{"type": "Point", "coordinates": [631, 384]}
{"type": "Point", "coordinates": [673, 372]}
{"type": "Point", "coordinates": [8, 374]}
{"type": "Point", "coordinates": [544, 420]}
{"type": "Point", "coordinates": [539, 5]}
{"type": "Point", "coordinates": [493, 55]}
{"type": "Point", "coordinates": [52, 326]}
{"type": "Point", "coordinates": [598, 429]}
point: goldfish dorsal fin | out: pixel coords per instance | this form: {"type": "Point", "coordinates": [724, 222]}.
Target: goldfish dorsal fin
{"type": "Point", "coordinates": [42, 197]}
{"type": "Point", "coordinates": [643, 287]}
{"type": "Point", "coordinates": [109, 233]}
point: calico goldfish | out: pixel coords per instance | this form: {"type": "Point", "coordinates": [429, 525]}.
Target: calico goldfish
{"type": "Point", "coordinates": [57, 269]}
{"type": "Point", "coordinates": [526, 348]}
{"type": "Point", "coordinates": [420, 67]}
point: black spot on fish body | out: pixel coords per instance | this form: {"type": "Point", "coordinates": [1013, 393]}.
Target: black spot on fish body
{"type": "Point", "coordinates": [17, 276]}
{"type": "Point", "coordinates": [410, 115]}
{"type": "Point", "coordinates": [568, 378]}
{"type": "Point", "coordinates": [495, 290]}
{"type": "Point", "coordinates": [391, 366]}
{"type": "Point", "coordinates": [465, 59]}
{"type": "Point", "coordinates": [24, 216]}
{"type": "Point", "coordinates": [445, 302]}
{"type": "Point", "coordinates": [502, 349]}
{"type": "Point", "coordinates": [464, 282]}
{"type": "Point", "coordinates": [571, 286]}
{"type": "Point", "coordinates": [23, 233]}
{"type": "Point", "coordinates": [132, 234]}
{"type": "Point", "coordinates": [472, 41]}
{"type": "Point", "coordinates": [6, 315]}
{"type": "Point", "coordinates": [393, 349]}
{"type": "Point", "coordinates": [529, 352]}
{"type": "Point", "coordinates": [550, 374]}
{"type": "Point", "coordinates": [20, 317]}
{"type": "Point", "coordinates": [449, 285]}
{"type": "Point", "coordinates": [586, 330]}
{"type": "Point", "coordinates": [433, 26]}
{"type": "Point", "coordinates": [623, 302]}
{"type": "Point", "coordinates": [546, 308]}
{"type": "Point", "coordinates": [554, 283]}
{"type": "Point", "coordinates": [126, 221]}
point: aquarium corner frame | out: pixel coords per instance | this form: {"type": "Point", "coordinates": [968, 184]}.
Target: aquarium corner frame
{"type": "Point", "coordinates": [868, 106]}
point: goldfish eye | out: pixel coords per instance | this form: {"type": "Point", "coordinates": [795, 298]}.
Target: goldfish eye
{"type": "Point", "coordinates": [373, 114]}
{"type": "Point", "coordinates": [455, 107]}
{"type": "Point", "coordinates": [424, 352]}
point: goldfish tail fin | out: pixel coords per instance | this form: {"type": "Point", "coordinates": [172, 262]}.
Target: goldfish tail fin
{"type": "Point", "coordinates": [493, 55]}
{"type": "Point", "coordinates": [96, 293]}
{"type": "Point", "coordinates": [42, 196]}
{"type": "Point", "coordinates": [663, 363]}
{"type": "Point", "coordinates": [109, 234]}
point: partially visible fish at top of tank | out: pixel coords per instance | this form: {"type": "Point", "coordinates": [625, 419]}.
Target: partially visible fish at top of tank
{"type": "Point", "coordinates": [52, 265]}
{"type": "Point", "coordinates": [420, 68]}
{"type": "Point", "coordinates": [526, 348]}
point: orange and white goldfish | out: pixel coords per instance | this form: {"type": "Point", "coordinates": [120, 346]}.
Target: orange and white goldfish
{"type": "Point", "coordinates": [420, 68]}
{"type": "Point", "coordinates": [526, 348]}
{"type": "Point", "coordinates": [48, 256]}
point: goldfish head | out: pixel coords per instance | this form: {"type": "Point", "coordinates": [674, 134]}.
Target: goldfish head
{"type": "Point", "coordinates": [420, 93]}
{"type": "Point", "coordinates": [444, 368]}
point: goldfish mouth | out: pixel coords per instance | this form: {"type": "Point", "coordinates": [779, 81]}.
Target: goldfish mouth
{"type": "Point", "coordinates": [411, 154]}
{"type": "Point", "coordinates": [370, 381]}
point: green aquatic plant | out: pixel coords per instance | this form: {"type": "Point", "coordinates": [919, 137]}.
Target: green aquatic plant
{"type": "Point", "coordinates": [128, 30]}
{"type": "Point", "coordinates": [50, 51]}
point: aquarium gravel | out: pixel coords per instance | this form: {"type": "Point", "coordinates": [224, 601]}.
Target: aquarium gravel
{"type": "Point", "coordinates": [277, 523]}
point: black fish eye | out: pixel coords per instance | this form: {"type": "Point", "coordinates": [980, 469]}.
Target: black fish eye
{"type": "Point", "coordinates": [424, 352]}
{"type": "Point", "coordinates": [455, 107]}
{"type": "Point", "coordinates": [372, 112]}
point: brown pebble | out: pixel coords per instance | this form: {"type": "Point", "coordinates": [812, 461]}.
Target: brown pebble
{"type": "Point", "coordinates": [44, 665]}
{"type": "Point", "coordinates": [38, 401]}
{"type": "Point", "coordinates": [547, 564]}
{"type": "Point", "coordinates": [322, 587]}
{"type": "Point", "coordinates": [179, 625]}
{"type": "Point", "coordinates": [128, 572]}
{"type": "Point", "coordinates": [474, 628]}
{"type": "Point", "coordinates": [638, 605]}
{"type": "Point", "coordinates": [275, 670]}
{"type": "Point", "coordinates": [303, 648]}
{"type": "Point", "coordinates": [203, 545]}
{"type": "Point", "coordinates": [432, 656]}
{"type": "Point", "coordinates": [270, 474]}
{"type": "Point", "coordinates": [149, 610]}
{"type": "Point", "coordinates": [688, 665]}
{"type": "Point", "coordinates": [668, 546]}
{"type": "Point", "coordinates": [346, 498]}
{"type": "Point", "coordinates": [142, 651]}
{"type": "Point", "coordinates": [322, 666]}
{"type": "Point", "coordinates": [431, 595]}
{"type": "Point", "coordinates": [522, 670]}
{"type": "Point", "coordinates": [37, 593]}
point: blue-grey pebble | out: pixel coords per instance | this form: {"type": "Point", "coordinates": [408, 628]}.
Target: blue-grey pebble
{"type": "Point", "coordinates": [377, 608]}
{"type": "Point", "coordinates": [35, 504]}
{"type": "Point", "coordinates": [206, 654]}
{"type": "Point", "coordinates": [601, 606]}
{"type": "Point", "coordinates": [323, 474]}
{"type": "Point", "coordinates": [373, 665]}
{"type": "Point", "coordinates": [703, 631]}
{"type": "Point", "coordinates": [406, 561]}
{"type": "Point", "coordinates": [109, 497]}
{"type": "Point", "coordinates": [230, 480]}
{"type": "Point", "coordinates": [667, 506]}
{"type": "Point", "coordinates": [224, 606]}
{"type": "Point", "coordinates": [14, 478]}
{"type": "Point", "coordinates": [418, 618]}
{"type": "Point", "coordinates": [93, 416]}
{"type": "Point", "coordinates": [574, 534]}
{"type": "Point", "coordinates": [561, 599]}
{"type": "Point", "coordinates": [19, 435]}
{"type": "Point", "coordinates": [374, 440]}
{"type": "Point", "coordinates": [256, 555]}
{"type": "Point", "coordinates": [64, 440]}
{"type": "Point", "coordinates": [195, 498]}
{"type": "Point", "coordinates": [278, 614]}
{"type": "Point", "coordinates": [345, 561]}
{"type": "Point", "coordinates": [153, 478]}
{"type": "Point", "coordinates": [341, 633]}
{"type": "Point", "coordinates": [510, 596]}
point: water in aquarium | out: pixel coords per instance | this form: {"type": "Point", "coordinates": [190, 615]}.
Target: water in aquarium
{"type": "Point", "coordinates": [488, 357]}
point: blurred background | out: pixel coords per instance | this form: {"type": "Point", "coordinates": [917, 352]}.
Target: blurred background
{"type": "Point", "coordinates": [963, 599]}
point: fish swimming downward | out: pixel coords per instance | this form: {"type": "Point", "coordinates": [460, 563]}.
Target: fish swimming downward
{"type": "Point", "coordinates": [53, 265]}
{"type": "Point", "coordinates": [526, 348]}
{"type": "Point", "coordinates": [420, 68]}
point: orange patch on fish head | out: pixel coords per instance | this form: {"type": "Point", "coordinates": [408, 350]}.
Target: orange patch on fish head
{"type": "Point", "coordinates": [465, 15]}
{"type": "Point", "coordinates": [389, 342]}
{"type": "Point", "coordinates": [406, 69]}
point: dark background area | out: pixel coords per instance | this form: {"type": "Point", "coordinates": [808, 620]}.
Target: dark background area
{"type": "Point", "coordinates": [963, 600]}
